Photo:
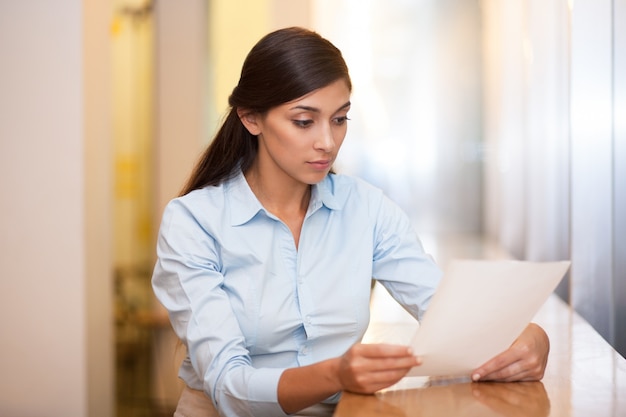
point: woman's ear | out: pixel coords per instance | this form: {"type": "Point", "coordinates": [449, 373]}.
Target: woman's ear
{"type": "Point", "coordinates": [250, 120]}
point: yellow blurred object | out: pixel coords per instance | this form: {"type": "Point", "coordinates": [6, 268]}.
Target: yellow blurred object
{"type": "Point", "coordinates": [116, 26]}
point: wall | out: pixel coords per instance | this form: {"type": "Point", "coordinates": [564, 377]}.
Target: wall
{"type": "Point", "coordinates": [98, 205]}
{"type": "Point", "coordinates": [51, 319]}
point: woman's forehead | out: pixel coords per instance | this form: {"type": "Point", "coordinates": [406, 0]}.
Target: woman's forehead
{"type": "Point", "coordinates": [334, 96]}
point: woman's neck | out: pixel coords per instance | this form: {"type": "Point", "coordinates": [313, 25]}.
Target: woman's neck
{"type": "Point", "coordinates": [287, 200]}
{"type": "Point", "coordinates": [281, 197]}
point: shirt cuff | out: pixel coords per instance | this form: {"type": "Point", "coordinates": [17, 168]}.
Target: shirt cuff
{"type": "Point", "coordinates": [263, 392]}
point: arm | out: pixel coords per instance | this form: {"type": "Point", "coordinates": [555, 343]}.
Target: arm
{"type": "Point", "coordinates": [411, 277]}
{"type": "Point", "coordinates": [362, 369]}
{"type": "Point", "coordinates": [525, 360]}
{"type": "Point", "coordinates": [188, 283]}
{"type": "Point", "coordinates": [400, 263]}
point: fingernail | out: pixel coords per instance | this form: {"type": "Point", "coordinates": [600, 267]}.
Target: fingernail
{"type": "Point", "coordinates": [475, 377]}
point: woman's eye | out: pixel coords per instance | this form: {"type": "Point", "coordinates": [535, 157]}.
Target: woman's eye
{"type": "Point", "coordinates": [341, 120]}
{"type": "Point", "coordinates": [302, 123]}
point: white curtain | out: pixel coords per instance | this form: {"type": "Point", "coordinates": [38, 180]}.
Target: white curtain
{"type": "Point", "coordinates": [554, 78]}
{"type": "Point", "coordinates": [619, 174]}
{"type": "Point", "coordinates": [505, 118]}
{"type": "Point", "coordinates": [526, 81]}
{"type": "Point", "coordinates": [416, 128]}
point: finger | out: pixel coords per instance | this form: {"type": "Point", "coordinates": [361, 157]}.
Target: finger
{"type": "Point", "coordinates": [379, 350]}
{"type": "Point", "coordinates": [514, 373]}
{"type": "Point", "coordinates": [390, 377]}
{"type": "Point", "coordinates": [496, 365]}
{"type": "Point", "coordinates": [508, 374]}
{"type": "Point", "coordinates": [360, 363]}
{"type": "Point", "coordinates": [364, 358]}
{"type": "Point", "coordinates": [394, 363]}
{"type": "Point", "coordinates": [529, 352]}
{"type": "Point", "coordinates": [371, 382]}
{"type": "Point", "coordinates": [526, 368]}
{"type": "Point", "coordinates": [521, 370]}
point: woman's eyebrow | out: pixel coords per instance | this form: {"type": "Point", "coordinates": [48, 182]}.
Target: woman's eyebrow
{"type": "Point", "coordinates": [316, 110]}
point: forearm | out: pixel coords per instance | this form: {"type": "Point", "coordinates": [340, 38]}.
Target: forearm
{"type": "Point", "coordinates": [304, 386]}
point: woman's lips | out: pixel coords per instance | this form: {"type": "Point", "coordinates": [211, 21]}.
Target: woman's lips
{"type": "Point", "coordinates": [321, 165]}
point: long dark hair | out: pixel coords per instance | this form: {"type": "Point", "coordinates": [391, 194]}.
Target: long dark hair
{"type": "Point", "coordinates": [283, 66]}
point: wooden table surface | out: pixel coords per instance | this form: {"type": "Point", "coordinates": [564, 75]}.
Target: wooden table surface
{"type": "Point", "coordinates": [585, 376]}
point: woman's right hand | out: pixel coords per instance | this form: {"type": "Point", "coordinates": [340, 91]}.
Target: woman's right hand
{"type": "Point", "coordinates": [363, 369]}
{"type": "Point", "coordinates": [367, 368]}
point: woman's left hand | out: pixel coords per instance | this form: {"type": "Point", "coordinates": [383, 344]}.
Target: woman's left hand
{"type": "Point", "coordinates": [525, 360]}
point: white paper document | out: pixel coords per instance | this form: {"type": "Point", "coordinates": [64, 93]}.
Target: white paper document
{"type": "Point", "coordinates": [478, 310]}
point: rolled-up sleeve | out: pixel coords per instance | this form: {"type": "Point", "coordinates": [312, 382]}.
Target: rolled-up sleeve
{"type": "Point", "coordinates": [400, 263]}
{"type": "Point", "coordinates": [188, 282]}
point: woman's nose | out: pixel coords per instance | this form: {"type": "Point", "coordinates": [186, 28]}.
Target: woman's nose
{"type": "Point", "coordinates": [326, 139]}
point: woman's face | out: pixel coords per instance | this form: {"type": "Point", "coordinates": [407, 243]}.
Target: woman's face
{"type": "Point", "coordinates": [300, 140]}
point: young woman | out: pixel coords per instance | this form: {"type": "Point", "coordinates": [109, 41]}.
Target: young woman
{"type": "Point", "coordinates": [265, 262]}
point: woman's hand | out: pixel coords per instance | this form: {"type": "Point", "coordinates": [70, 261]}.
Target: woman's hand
{"type": "Point", "coordinates": [364, 369]}
{"type": "Point", "coordinates": [525, 360]}
{"type": "Point", "coordinates": [367, 368]}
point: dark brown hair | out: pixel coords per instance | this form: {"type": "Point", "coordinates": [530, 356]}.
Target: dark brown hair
{"type": "Point", "coordinates": [283, 66]}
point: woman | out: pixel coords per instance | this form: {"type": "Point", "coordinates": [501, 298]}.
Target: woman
{"type": "Point", "coordinates": [265, 261]}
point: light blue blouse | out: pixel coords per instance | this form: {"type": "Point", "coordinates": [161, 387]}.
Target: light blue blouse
{"type": "Point", "coordinates": [248, 304]}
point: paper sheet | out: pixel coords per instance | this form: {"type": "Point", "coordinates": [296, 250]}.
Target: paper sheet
{"type": "Point", "coordinates": [479, 309]}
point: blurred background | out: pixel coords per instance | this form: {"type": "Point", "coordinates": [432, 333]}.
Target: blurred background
{"type": "Point", "coordinates": [487, 121]}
